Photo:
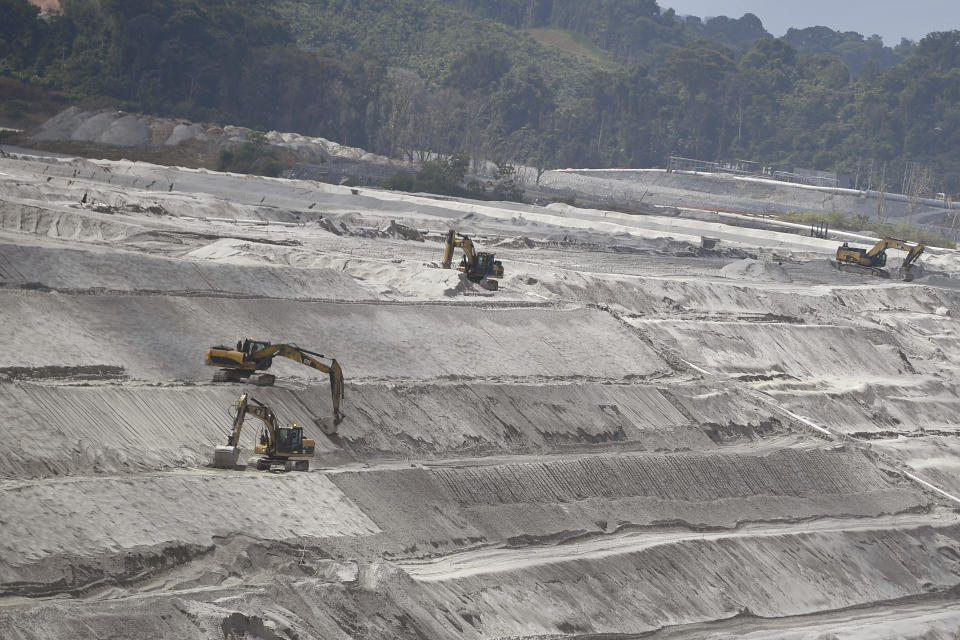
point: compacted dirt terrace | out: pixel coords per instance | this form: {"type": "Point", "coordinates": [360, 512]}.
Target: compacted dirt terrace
{"type": "Point", "coordinates": [632, 437]}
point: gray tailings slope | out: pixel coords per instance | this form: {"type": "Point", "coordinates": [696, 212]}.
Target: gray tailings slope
{"type": "Point", "coordinates": [729, 193]}
{"type": "Point", "coordinates": [630, 437]}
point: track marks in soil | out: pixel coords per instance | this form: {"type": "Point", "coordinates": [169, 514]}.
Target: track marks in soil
{"type": "Point", "coordinates": [927, 616]}
{"type": "Point", "coordinates": [80, 575]}
{"type": "Point", "coordinates": [77, 372]}
{"type": "Point", "coordinates": [492, 560]}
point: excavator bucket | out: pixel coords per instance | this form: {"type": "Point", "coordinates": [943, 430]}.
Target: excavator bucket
{"type": "Point", "coordinates": [326, 424]}
{"type": "Point", "coordinates": [226, 457]}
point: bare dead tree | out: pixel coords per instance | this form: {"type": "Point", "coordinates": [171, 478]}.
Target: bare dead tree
{"type": "Point", "coordinates": [541, 169]}
{"type": "Point", "coordinates": [916, 182]}
{"type": "Point", "coordinates": [881, 200]}
{"type": "Point", "coordinates": [953, 227]}
{"type": "Point", "coordinates": [438, 120]}
{"type": "Point", "coordinates": [405, 89]}
{"type": "Point", "coordinates": [871, 171]}
{"type": "Point", "coordinates": [473, 142]}
{"type": "Point", "coordinates": [520, 174]}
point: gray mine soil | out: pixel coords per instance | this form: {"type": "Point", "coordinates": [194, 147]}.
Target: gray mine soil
{"type": "Point", "coordinates": [632, 438]}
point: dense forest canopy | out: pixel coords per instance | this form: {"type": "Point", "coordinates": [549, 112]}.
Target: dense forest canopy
{"type": "Point", "coordinates": [413, 77]}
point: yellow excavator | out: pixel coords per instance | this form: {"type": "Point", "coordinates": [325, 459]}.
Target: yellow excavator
{"type": "Point", "coordinates": [480, 267]}
{"type": "Point", "coordinates": [874, 259]}
{"type": "Point", "coordinates": [276, 445]}
{"type": "Point", "coordinates": [250, 356]}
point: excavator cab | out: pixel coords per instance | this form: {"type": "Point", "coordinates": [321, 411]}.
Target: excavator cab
{"type": "Point", "coordinates": [484, 263]}
{"type": "Point", "coordinates": [251, 346]}
{"type": "Point", "coordinates": [486, 268]}
{"type": "Point", "coordinates": [289, 440]}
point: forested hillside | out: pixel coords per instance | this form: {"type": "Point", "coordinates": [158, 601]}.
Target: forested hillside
{"type": "Point", "coordinates": [858, 53]}
{"type": "Point", "coordinates": [630, 85]}
{"type": "Point", "coordinates": [639, 31]}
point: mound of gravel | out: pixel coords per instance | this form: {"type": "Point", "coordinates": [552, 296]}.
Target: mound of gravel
{"type": "Point", "coordinates": [748, 269]}
{"type": "Point", "coordinates": [519, 242]}
{"type": "Point", "coordinates": [398, 230]}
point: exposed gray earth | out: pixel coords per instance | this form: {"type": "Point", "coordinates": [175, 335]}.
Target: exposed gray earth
{"type": "Point", "coordinates": [722, 192]}
{"type": "Point", "coordinates": [632, 437]}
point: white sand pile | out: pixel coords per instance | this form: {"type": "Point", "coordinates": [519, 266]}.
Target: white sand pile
{"type": "Point", "coordinates": [120, 129]}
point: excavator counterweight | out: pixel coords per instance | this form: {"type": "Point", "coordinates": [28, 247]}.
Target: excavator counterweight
{"type": "Point", "coordinates": [250, 356]}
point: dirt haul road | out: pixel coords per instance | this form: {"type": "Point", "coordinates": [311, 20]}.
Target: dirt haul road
{"type": "Point", "coordinates": [632, 436]}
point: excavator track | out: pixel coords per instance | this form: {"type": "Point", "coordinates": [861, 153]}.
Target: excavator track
{"type": "Point", "coordinates": [225, 375]}
{"type": "Point", "coordinates": [259, 379]}
{"type": "Point", "coordinates": [263, 379]}
{"type": "Point", "coordinates": [859, 268]}
{"type": "Point", "coordinates": [267, 464]}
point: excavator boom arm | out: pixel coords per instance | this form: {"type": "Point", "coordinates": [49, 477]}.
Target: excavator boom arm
{"type": "Point", "coordinates": [896, 243]}
{"type": "Point", "coordinates": [464, 243]}
{"type": "Point", "coordinates": [309, 358]}
{"type": "Point", "coordinates": [258, 409]}
{"type": "Point", "coordinates": [234, 439]}
{"type": "Point", "coordinates": [879, 248]}
{"type": "Point", "coordinates": [448, 248]}
{"type": "Point", "coordinates": [470, 256]}
{"type": "Point", "coordinates": [912, 255]}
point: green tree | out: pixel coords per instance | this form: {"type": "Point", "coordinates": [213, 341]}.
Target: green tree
{"type": "Point", "coordinates": [504, 185]}
{"type": "Point", "coordinates": [697, 75]}
{"type": "Point", "coordinates": [524, 99]}
{"type": "Point", "coordinates": [18, 30]}
{"type": "Point", "coordinates": [478, 67]}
